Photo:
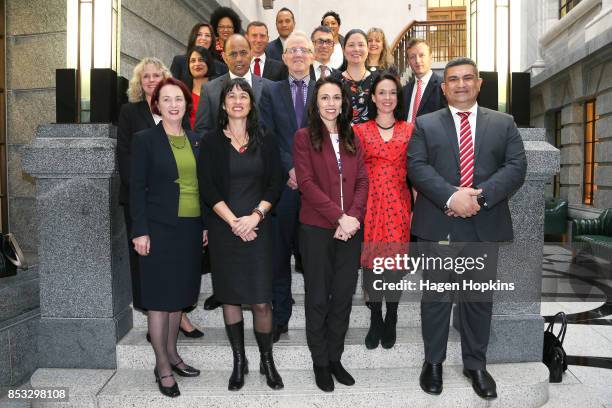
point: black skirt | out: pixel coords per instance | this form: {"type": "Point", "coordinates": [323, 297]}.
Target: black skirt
{"type": "Point", "coordinates": [170, 275]}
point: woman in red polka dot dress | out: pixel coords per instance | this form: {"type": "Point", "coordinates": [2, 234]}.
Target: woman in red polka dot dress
{"type": "Point", "coordinates": [384, 140]}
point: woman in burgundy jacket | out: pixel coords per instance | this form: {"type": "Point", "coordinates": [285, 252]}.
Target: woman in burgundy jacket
{"type": "Point", "coordinates": [333, 182]}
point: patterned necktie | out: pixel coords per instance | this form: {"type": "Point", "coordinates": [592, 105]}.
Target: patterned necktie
{"type": "Point", "coordinates": [417, 100]}
{"type": "Point", "coordinates": [466, 151]}
{"type": "Point", "coordinates": [298, 103]}
{"type": "Point", "coordinates": [323, 69]}
{"type": "Point", "coordinates": [257, 69]}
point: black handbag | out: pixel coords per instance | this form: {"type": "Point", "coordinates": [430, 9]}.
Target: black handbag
{"type": "Point", "coordinates": [11, 256]}
{"type": "Point", "coordinates": [554, 356]}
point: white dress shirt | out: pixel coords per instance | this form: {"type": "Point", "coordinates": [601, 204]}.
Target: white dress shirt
{"type": "Point", "coordinates": [337, 57]}
{"type": "Point", "coordinates": [424, 82]}
{"type": "Point", "coordinates": [262, 63]}
{"type": "Point", "coordinates": [247, 77]}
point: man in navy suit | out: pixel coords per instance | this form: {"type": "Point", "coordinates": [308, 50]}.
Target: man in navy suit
{"type": "Point", "coordinates": [285, 24]}
{"type": "Point", "coordinates": [261, 65]}
{"type": "Point", "coordinates": [286, 112]}
{"type": "Point", "coordinates": [423, 93]}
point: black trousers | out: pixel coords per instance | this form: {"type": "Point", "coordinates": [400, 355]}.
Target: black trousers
{"type": "Point", "coordinates": [474, 308]}
{"type": "Point", "coordinates": [330, 277]}
{"type": "Point", "coordinates": [133, 260]}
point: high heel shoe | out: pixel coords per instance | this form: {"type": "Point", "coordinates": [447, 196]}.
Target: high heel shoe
{"type": "Point", "coordinates": [266, 365]}
{"type": "Point", "coordinates": [188, 371]}
{"type": "Point", "coordinates": [235, 334]}
{"type": "Point", "coordinates": [172, 391]}
{"type": "Point", "coordinates": [194, 334]}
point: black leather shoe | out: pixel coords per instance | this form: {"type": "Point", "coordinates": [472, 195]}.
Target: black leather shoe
{"type": "Point", "coordinates": [172, 391]}
{"type": "Point", "coordinates": [482, 383]}
{"type": "Point", "coordinates": [298, 263]}
{"type": "Point", "coordinates": [323, 378]}
{"type": "Point", "coordinates": [188, 371]}
{"type": "Point", "coordinates": [342, 376]}
{"type": "Point", "coordinates": [431, 378]}
{"type": "Point", "coordinates": [211, 303]}
{"type": "Point", "coordinates": [194, 334]}
{"type": "Point", "coordinates": [148, 337]}
{"type": "Point", "coordinates": [278, 330]}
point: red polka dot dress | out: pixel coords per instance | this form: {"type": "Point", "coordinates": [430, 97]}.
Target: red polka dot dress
{"type": "Point", "coordinates": [388, 212]}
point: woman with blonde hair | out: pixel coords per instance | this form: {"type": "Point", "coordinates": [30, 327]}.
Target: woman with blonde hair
{"type": "Point", "coordinates": [379, 55]}
{"type": "Point", "coordinates": [137, 115]}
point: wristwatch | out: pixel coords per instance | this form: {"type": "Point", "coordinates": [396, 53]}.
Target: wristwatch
{"type": "Point", "coordinates": [482, 201]}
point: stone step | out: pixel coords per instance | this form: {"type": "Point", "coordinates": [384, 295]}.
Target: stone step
{"type": "Point", "coordinates": [291, 352]}
{"type": "Point", "coordinates": [408, 314]}
{"type": "Point", "coordinates": [521, 385]}
{"type": "Point", "coordinates": [297, 283]}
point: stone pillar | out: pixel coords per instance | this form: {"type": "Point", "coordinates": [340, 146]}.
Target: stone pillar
{"type": "Point", "coordinates": [83, 262]}
{"type": "Point", "coordinates": [517, 327]}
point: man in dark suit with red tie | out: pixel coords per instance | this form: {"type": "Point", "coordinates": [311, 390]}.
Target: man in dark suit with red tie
{"type": "Point", "coordinates": [466, 162]}
{"type": "Point", "coordinates": [261, 64]}
{"type": "Point", "coordinates": [422, 94]}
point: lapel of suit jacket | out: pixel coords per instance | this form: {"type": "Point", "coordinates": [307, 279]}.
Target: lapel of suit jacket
{"type": "Point", "coordinates": [329, 156]}
{"type": "Point", "coordinates": [313, 77]}
{"type": "Point", "coordinates": [451, 133]}
{"type": "Point", "coordinates": [168, 156]}
{"type": "Point", "coordinates": [288, 100]}
{"type": "Point", "coordinates": [408, 96]}
{"type": "Point", "coordinates": [433, 82]}
{"type": "Point", "coordinates": [143, 108]}
{"type": "Point", "coordinates": [257, 86]}
{"type": "Point", "coordinates": [482, 121]}
{"type": "Point", "coordinates": [309, 96]}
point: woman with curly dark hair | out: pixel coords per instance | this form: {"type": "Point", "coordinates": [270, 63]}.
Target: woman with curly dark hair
{"type": "Point", "coordinates": [241, 179]}
{"type": "Point", "coordinates": [225, 22]}
{"type": "Point", "coordinates": [201, 35]}
{"type": "Point", "coordinates": [333, 180]}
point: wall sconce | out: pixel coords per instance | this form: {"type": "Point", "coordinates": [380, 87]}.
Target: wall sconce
{"type": "Point", "coordinates": [267, 4]}
{"type": "Point", "coordinates": [87, 88]}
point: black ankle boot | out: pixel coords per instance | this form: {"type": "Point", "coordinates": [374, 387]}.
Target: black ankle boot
{"type": "Point", "coordinates": [389, 333]}
{"type": "Point", "coordinates": [376, 325]}
{"type": "Point", "coordinates": [235, 334]}
{"type": "Point", "coordinates": [266, 365]}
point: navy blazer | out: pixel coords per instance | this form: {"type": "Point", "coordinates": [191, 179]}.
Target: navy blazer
{"type": "Point", "coordinates": [180, 69]}
{"type": "Point", "coordinates": [279, 115]}
{"type": "Point", "coordinates": [133, 117]}
{"type": "Point", "coordinates": [432, 98]}
{"type": "Point", "coordinates": [274, 70]}
{"type": "Point", "coordinates": [274, 50]}
{"type": "Point", "coordinates": [214, 170]}
{"type": "Point", "coordinates": [154, 191]}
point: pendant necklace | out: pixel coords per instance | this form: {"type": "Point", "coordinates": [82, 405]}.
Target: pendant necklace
{"type": "Point", "coordinates": [243, 146]}
{"type": "Point", "coordinates": [181, 136]}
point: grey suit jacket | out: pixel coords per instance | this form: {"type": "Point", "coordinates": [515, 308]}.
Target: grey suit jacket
{"type": "Point", "coordinates": [210, 95]}
{"type": "Point", "coordinates": [433, 168]}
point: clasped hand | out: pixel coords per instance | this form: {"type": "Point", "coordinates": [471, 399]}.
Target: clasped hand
{"type": "Point", "coordinates": [464, 203]}
{"type": "Point", "coordinates": [245, 227]}
{"type": "Point", "coordinates": [347, 228]}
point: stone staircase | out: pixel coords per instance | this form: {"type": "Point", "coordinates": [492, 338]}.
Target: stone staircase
{"type": "Point", "coordinates": [383, 377]}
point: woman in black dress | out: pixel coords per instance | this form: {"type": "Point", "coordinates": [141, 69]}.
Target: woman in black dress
{"type": "Point", "coordinates": [167, 227]}
{"type": "Point", "coordinates": [241, 178]}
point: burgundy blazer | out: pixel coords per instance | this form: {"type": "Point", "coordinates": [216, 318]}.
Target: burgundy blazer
{"type": "Point", "coordinates": [319, 181]}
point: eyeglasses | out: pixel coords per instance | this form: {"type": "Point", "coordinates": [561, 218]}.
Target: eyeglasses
{"type": "Point", "coordinates": [297, 50]}
{"type": "Point", "coordinates": [234, 54]}
{"type": "Point", "coordinates": [324, 42]}
{"type": "Point", "coordinates": [225, 27]}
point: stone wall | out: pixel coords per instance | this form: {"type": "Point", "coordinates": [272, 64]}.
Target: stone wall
{"type": "Point", "coordinates": [35, 47]}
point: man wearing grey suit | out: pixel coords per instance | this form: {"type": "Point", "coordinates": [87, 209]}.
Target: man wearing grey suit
{"type": "Point", "coordinates": [465, 162]}
{"type": "Point", "coordinates": [237, 56]}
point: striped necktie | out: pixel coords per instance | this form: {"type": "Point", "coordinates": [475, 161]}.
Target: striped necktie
{"type": "Point", "coordinates": [466, 151]}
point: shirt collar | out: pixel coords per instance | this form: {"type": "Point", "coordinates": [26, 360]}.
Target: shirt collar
{"type": "Point", "coordinates": [426, 78]}
{"type": "Point", "coordinates": [262, 59]}
{"type": "Point", "coordinates": [473, 110]}
{"type": "Point", "coordinates": [247, 77]}
{"type": "Point", "coordinates": [292, 80]}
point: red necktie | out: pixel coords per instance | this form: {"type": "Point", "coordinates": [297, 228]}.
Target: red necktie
{"type": "Point", "coordinates": [466, 151]}
{"type": "Point", "coordinates": [417, 100]}
{"type": "Point", "coordinates": [257, 67]}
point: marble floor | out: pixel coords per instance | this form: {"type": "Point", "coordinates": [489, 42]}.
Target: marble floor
{"type": "Point", "coordinates": [582, 290]}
